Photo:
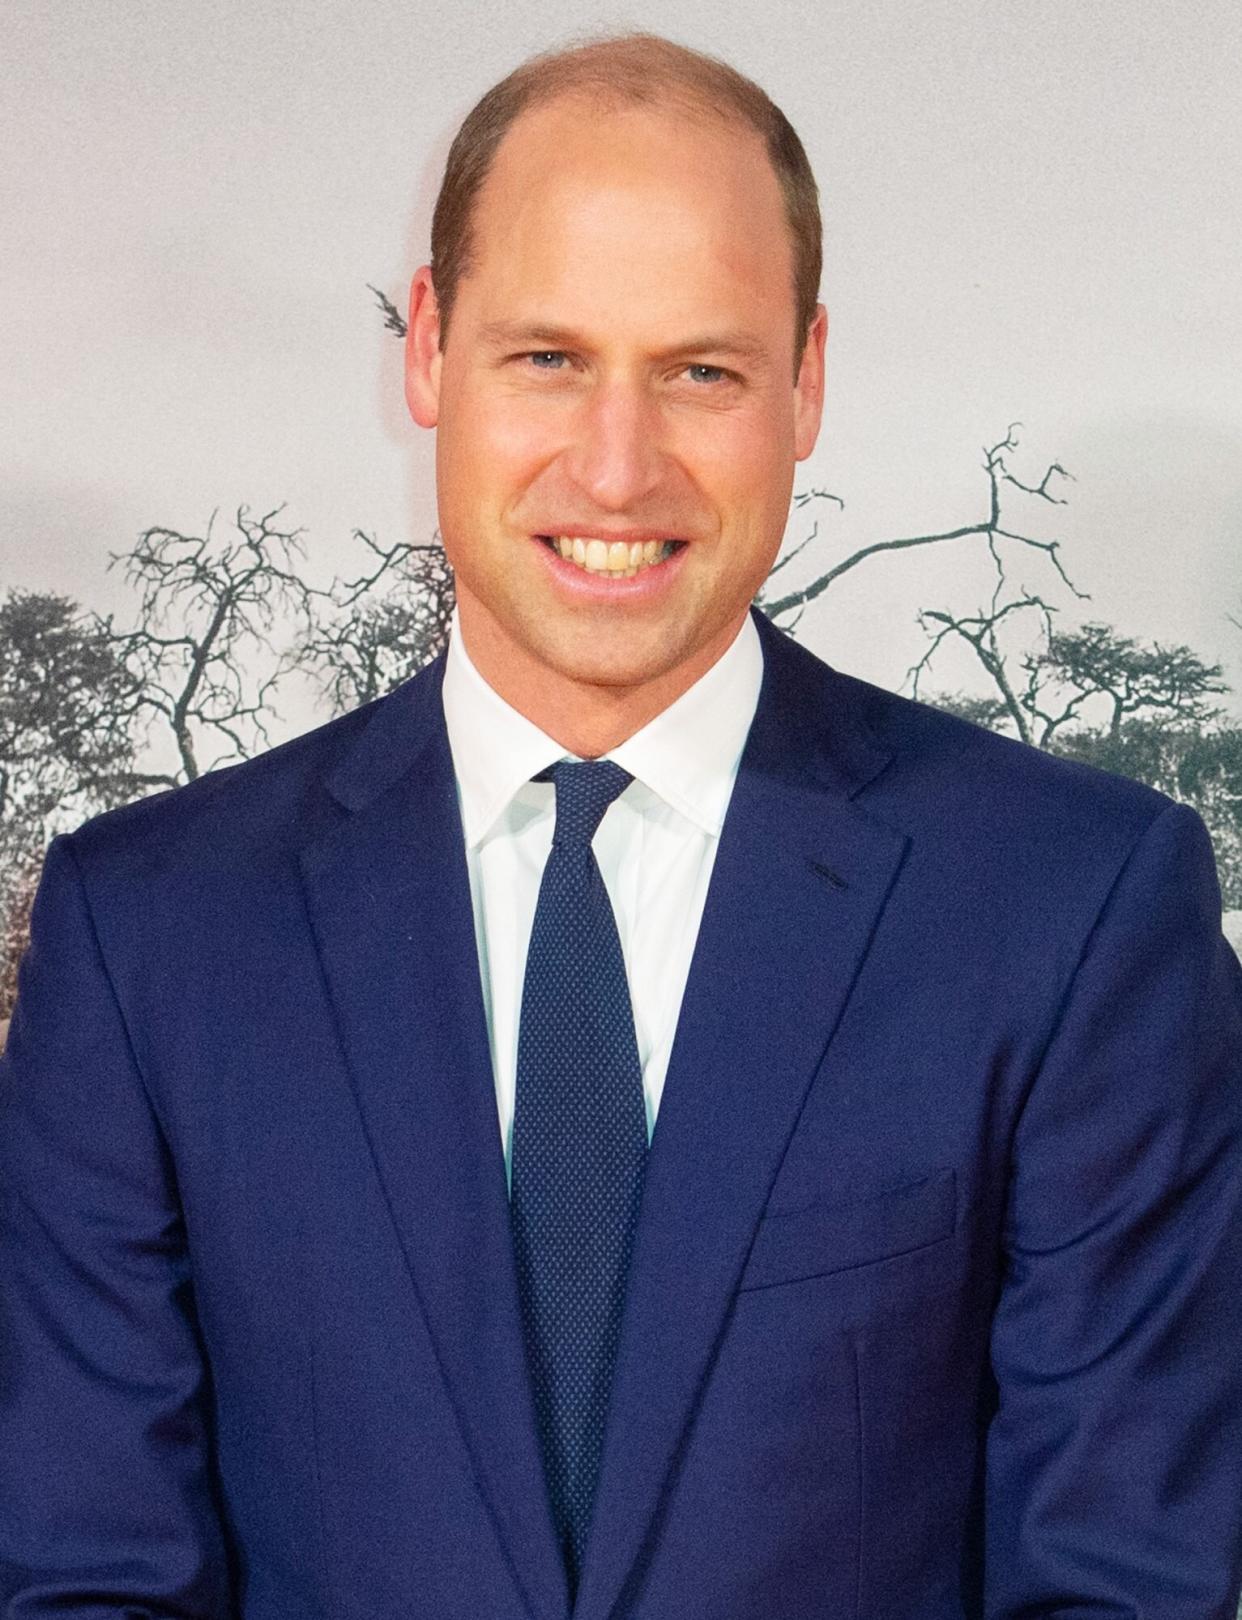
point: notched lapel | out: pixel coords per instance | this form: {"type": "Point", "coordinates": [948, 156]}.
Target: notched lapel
{"type": "Point", "coordinates": [800, 880]}
{"type": "Point", "coordinates": [389, 899]}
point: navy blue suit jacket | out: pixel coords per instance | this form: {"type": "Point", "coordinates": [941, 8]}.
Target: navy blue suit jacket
{"type": "Point", "coordinates": [935, 1303]}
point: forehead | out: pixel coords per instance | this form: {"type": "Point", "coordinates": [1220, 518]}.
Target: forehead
{"type": "Point", "coordinates": [584, 192]}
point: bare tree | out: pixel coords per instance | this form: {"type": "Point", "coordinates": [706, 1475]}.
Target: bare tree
{"type": "Point", "coordinates": [982, 632]}
{"type": "Point", "coordinates": [223, 622]}
{"type": "Point", "coordinates": [383, 626]}
{"type": "Point", "coordinates": [992, 527]}
{"type": "Point", "coordinates": [202, 649]}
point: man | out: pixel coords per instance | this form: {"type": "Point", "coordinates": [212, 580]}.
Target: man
{"type": "Point", "coordinates": [901, 1284]}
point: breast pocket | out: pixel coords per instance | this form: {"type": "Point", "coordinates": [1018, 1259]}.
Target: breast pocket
{"type": "Point", "coordinates": [827, 1237]}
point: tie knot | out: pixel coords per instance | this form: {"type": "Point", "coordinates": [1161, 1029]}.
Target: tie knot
{"type": "Point", "coordinates": [584, 790]}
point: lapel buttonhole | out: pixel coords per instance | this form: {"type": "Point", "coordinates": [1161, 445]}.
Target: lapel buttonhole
{"type": "Point", "coordinates": [837, 881]}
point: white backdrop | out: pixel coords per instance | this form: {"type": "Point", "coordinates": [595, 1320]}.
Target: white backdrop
{"type": "Point", "coordinates": [1031, 213]}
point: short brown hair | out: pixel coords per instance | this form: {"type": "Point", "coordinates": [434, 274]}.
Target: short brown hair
{"type": "Point", "coordinates": [639, 69]}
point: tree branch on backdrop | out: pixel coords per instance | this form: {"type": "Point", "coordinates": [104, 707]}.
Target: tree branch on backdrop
{"type": "Point", "coordinates": [992, 527]}
{"type": "Point", "coordinates": [375, 640]}
{"type": "Point", "coordinates": [202, 646]}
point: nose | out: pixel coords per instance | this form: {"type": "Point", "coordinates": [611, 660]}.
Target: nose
{"type": "Point", "coordinates": [616, 457]}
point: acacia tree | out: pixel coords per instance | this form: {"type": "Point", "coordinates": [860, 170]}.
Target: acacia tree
{"type": "Point", "coordinates": [1070, 677]}
{"type": "Point", "coordinates": [1141, 710]}
{"type": "Point", "coordinates": [1126, 678]}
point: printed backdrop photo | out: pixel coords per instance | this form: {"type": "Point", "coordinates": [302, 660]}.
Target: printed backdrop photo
{"type": "Point", "coordinates": [218, 523]}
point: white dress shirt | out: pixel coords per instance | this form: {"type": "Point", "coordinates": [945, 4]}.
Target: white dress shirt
{"type": "Point", "coordinates": [655, 846]}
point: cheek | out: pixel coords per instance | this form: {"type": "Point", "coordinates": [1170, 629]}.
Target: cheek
{"type": "Point", "coordinates": [509, 434]}
{"type": "Point", "coordinates": [509, 425]}
{"type": "Point", "coordinates": [745, 480]}
{"type": "Point", "coordinates": [745, 450]}
{"type": "Point", "coordinates": [492, 443]}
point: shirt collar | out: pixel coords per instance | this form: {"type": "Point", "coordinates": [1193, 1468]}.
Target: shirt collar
{"type": "Point", "coordinates": [687, 755]}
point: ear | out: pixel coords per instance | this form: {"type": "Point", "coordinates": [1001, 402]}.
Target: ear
{"type": "Point", "coordinates": [422, 351]}
{"type": "Point", "coordinates": [809, 388]}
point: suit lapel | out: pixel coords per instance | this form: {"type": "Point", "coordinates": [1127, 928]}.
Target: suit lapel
{"type": "Point", "coordinates": [800, 879]}
{"type": "Point", "coordinates": [389, 900]}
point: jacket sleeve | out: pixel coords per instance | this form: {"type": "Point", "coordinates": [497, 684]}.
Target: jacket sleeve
{"type": "Point", "coordinates": [107, 1499]}
{"type": "Point", "coordinates": [1114, 1459]}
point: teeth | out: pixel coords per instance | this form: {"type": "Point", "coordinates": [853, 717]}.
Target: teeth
{"type": "Point", "coordinates": [617, 558]}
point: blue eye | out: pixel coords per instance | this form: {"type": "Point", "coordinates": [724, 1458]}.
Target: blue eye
{"type": "Point", "coordinates": [544, 354]}
{"type": "Point", "coordinates": [716, 370]}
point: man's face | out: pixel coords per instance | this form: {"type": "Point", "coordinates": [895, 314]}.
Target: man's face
{"type": "Point", "coordinates": [619, 368]}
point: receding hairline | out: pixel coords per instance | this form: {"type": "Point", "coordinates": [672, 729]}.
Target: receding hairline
{"type": "Point", "coordinates": [609, 72]}
{"type": "Point", "coordinates": [682, 103]}
{"type": "Point", "coordinates": [633, 66]}
{"type": "Point", "coordinates": [699, 116]}
{"type": "Point", "coordinates": [676, 99]}
{"type": "Point", "coordinates": [685, 106]}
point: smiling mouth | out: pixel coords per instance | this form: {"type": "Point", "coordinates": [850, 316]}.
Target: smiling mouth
{"type": "Point", "coordinates": [622, 559]}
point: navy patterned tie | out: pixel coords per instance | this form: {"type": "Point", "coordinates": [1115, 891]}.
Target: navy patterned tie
{"type": "Point", "coordinates": [579, 1149]}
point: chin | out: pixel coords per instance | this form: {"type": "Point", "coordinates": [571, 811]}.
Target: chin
{"type": "Point", "coordinates": [595, 657]}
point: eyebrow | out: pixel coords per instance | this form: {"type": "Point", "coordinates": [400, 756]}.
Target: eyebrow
{"type": "Point", "coordinates": [737, 345]}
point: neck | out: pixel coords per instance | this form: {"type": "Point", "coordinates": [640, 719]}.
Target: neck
{"type": "Point", "coordinates": [585, 717]}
